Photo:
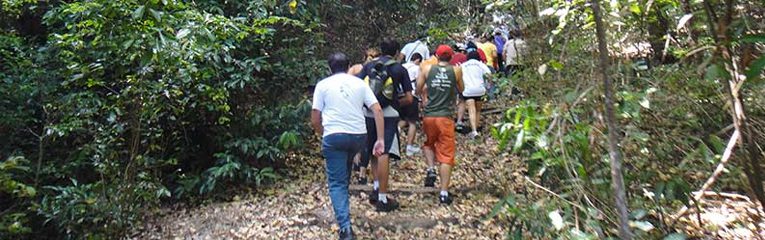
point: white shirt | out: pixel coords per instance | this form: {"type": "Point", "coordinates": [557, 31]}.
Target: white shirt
{"type": "Point", "coordinates": [413, 70]}
{"type": "Point", "coordinates": [514, 48]}
{"type": "Point", "coordinates": [341, 99]}
{"type": "Point", "coordinates": [415, 47]}
{"type": "Point", "coordinates": [473, 72]}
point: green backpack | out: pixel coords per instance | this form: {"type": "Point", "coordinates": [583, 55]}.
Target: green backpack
{"type": "Point", "coordinates": [379, 80]}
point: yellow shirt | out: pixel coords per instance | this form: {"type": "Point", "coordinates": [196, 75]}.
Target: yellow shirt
{"type": "Point", "coordinates": [429, 61]}
{"type": "Point", "coordinates": [491, 53]}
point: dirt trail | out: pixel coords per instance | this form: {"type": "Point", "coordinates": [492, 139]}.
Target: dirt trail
{"type": "Point", "coordinates": [298, 206]}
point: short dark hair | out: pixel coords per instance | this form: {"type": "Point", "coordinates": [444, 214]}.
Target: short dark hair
{"type": "Point", "coordinates": [338, 62]}
{"type": "Point", "coordinates": [389, 47]}
{"type": "Point", "coordinates": [457, 48]}
{"type": "Point", "coordinates": [472, 45]}
{"type": "Point", "coordinates": [445, 58]}
{"type": "Point", "coordinates": [415, 57]}
{"type": "Point", "coordinates": [474, 55]}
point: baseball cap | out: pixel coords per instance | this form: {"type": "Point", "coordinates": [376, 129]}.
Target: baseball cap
{"type": "Point", "coordinates": [444, 50]}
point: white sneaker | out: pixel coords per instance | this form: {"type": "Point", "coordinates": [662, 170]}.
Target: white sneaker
{"type": "Point", "coordinates": [473, 134]}
{"type": "Point", "coordinates": [411, 150]}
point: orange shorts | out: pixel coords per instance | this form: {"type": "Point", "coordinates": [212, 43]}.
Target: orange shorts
{"type": "Point", "coordinates": [440, 138]}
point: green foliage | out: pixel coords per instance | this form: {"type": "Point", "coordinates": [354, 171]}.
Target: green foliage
{"type": "Point", "coordinates": [15, 218]}
{"type": "Point", "coordinates": [129, 104]}
{"type": "Point", "coordinates": [124, 105]}
{"type": "Point", "coordinates": [670, 118]}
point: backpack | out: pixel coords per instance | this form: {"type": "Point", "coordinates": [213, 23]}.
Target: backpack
{"type": "Point", "coordinates": [379, 80]}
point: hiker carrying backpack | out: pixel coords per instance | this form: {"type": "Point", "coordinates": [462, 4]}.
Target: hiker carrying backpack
{"type": "Point", "coordinates": [381, 82]}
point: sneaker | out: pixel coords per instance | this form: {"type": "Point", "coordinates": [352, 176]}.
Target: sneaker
{"type": "Point", "coordinates": [445, 199]}
{"type": "Point", "coordinates": [346, 234]}
{"type": "Point", "coordinates": [473, 135]}
{"type": "Point", "coordinates": [391, 205]}
{"type": "Point", "coordinates": [373, 197]}
{"type": "Point", "coordinates": [430, 179]}
{"type": "Point", "coordinates": [459, 128]}
{"type": "Point", "coordinates": [411, 150]}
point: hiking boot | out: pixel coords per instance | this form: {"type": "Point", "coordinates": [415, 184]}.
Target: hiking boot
{"type": "Point", "coordinates": [430, 179]}
{"type": "Point", "coordinates": [411, 150]}
{"type": "Point", "coordinates": [346, 234]}
{"type": "Point", "coordinates": [447, 200]}
{"type": "Point", "coordinates": [391, 205]}
{"type": "Point", "coordinates": [373, 197]}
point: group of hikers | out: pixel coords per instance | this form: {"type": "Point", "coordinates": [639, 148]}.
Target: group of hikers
{"type": "Point", "coordinates": [359, 109]}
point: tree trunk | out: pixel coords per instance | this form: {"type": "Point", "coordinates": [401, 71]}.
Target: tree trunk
{"type": "Point", "coordinates": [617, 179]}
{"type": "Point", "coordinates": [732, 86]}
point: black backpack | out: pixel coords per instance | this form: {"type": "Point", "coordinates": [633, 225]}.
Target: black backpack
{"type": "Point", "coordinates": [380, 81]}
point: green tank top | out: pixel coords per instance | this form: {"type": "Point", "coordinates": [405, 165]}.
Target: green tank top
{"type": "Point", "coordinates": [442, 85]}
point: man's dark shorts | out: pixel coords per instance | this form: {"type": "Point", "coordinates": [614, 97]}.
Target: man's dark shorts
{"type": "Point", "coordinates": [411, 112]}
{"type": "Point", "coordinates": [477, 98]}
{"type": "Point", "coordinates": [391, 139]}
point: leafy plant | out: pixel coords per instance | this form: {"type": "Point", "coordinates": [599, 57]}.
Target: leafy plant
{"type": "Point", "coordinates": [14, 219]}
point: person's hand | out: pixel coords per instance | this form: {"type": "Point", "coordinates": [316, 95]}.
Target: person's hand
{"type": "Point", "coordinates": [379, 148]}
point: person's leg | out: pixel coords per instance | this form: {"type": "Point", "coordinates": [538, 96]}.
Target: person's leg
{"type": "Point", "coordinates": [478, 107]}
{"type": "Point", "coordinates": [361, 169]}
{"type": "Point", "coordinates": [445, 172]}
{"type": "Point", "coordinates": [337, 160]}
{"type": "Point", "coordinates": [445, 150]}
{"type": "Point", "coordinates": [430, 127]}
{"type": "Point", "coordinates": [368, 159]}
{"type": "Point", "coordinates": [410, 115]}
{"type": "Point", "coordinates": [373, 171]}
{"type": "Point", "coordinates": [385, 203]}
{"type": "Point", "coordinates": [430, 130]}
{"type": "Point", "coordinates": [381, 172]}
{"type": "Point", "coordinates": [471, 106]}
{"type": "Point", "coordinates": [430, 156]}
{"type": "Point", "coordinates": [460, 110]}
{"type": "Point", "coordinates": [411, 133]}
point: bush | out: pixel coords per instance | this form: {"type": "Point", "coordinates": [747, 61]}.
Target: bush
{"type": "Point", "coordinates": [132, 103]}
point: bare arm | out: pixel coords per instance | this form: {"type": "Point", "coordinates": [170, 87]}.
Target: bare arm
{"type": "Point", "coordinates": [421, 80]}
{"type": "Point", "coordinates": [316, 122]}
{"type": "Point", "coordinates": [379, 121]}
{"type": "Point", "coordinates": [458, 74]}
{"type": "Point", "coordinates": [355, 69]}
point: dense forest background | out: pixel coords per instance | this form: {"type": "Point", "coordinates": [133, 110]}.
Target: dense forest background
{"type": "Point", "coordinates": [110, 110]}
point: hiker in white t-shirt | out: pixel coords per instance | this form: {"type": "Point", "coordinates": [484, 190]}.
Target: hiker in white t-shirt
{"type": "Point", "coordinates": [338, 116]}
{"type": "Point", "coordinates": [411, 48]}
{"type": "Point", "coordinates": [410, 114]}
{"type": "Point", "coordinates": [475, 75]}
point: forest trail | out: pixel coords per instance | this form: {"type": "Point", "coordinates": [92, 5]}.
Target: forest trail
{"type": "Point", "coordinates": [298, 206]}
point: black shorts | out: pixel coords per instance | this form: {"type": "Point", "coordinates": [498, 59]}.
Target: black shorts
{"type": "Point", "coordinates": [477, 98]}
{"type": "Point", "coordinates": [411, 112]}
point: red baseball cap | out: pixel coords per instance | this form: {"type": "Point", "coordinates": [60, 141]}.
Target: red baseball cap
{"type": "Point", "coordinates": [444, 51]}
